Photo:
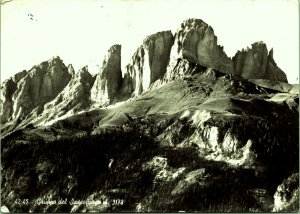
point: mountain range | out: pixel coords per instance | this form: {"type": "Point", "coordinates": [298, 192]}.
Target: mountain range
{"type": "Point", "coordinates": [183, 127]}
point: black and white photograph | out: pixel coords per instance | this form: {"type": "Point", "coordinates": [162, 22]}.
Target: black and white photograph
{"type": "Point", "coordinates": [111, 106]}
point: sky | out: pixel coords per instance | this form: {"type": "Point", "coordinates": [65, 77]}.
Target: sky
{"type": "Point", "coordinates": [81, 31]}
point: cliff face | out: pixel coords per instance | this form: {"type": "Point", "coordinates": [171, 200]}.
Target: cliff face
{"type": "Point", "coordinates": [109, 80]}
{"type": "Point", "coordinates": [73, 97]}
{"type": "Point", "coordinates": [71, 70]}
{"type": "Point", "coordinates": [182, 68]}
{"type": "Point", "coordinates": [8, 88]}
{"type": "Point", "coordinates": [38, 86]}
{"type": "Point", "coordinates": [195, 41]}
{"type": "Point", "coordinates": [256, 63]}
{"type": "Point", "coordinates": [161, 58]}
{"type": "Point", "coordinates": [148, 63]}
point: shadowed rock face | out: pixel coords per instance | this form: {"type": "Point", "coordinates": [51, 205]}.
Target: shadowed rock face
{"type": "Point", "coordinates": [161, 58]}
{"type": "Point", "coordinates": [109, 80]}
{"type": "Point", "coordinates": [73, 96]}
{"type": "Point", "coordinates": [148, 63]}
{"type": "Point", "coordinates": [38, 86]}
{"type": "Point", "coordinates": [71, 70]}
{"type": "Point", "coordinates": [8, 88]}
{"type": "Point", "coordinates": [78, 88]}
{"type": "Point", "coordinates": [195, 41]}
{"type": "Point", "coordinates": [256, 63]}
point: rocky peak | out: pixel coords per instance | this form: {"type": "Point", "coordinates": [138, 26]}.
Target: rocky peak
{"type": "Point", "coordinates": [55, 60]}
{"type": "Point", "coordinates": [39, 85]}
{"type": "Point", "coordinates": [84, 78]}
{"type": "Point", "coordinates": [72, 98]}
{"type": "Point", "coordinates": [83, 75]}
{"type": "Point", "coordinates": [257, 63]}
{"type": "Point", "coordinates": [194, 23]}
{"type": "Point", "coordinates": [114, 49]}
{"type": "Point", "coordinates": [8, 88]}
{"type": "Point", "coordinates": [17, 77]}
{"type": "Point", "coordinates": [71, 70]}
{"type": "Point", "coordinates": [109, 80]}
{"type": "Point", "coordinates": [195, 41]}
{"type": "Point", "coordinates": [148, 63]}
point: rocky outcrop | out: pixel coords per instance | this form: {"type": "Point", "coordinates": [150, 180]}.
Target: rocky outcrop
{"type": "Point", "coordinates": [71, 69]}
{"type": "Point", "coordinates": [286, 198]}
{"type": "Point", "coordinates": [109, 80]}
{"type": "Point", "coordinates": [277, 85]}
{"type": "Point", "coordinates": [182, 68]}
{"type": "Point", "coordinates": [163, 172]}
{"type": "Point", "coordinates": [196, 42]}
{"type": "Point", "coordinates": [8, 88]}
{"type": "Point", "coordinates": [41, 84]}
{"type": "Point", "coordinates": [72, 98]}
{"type": "Point", "coordinates": [211, 142]}
{"type": "Point", "coordinates": [148, 64]}
{"type": "Point", "coordinates": [257, 63]}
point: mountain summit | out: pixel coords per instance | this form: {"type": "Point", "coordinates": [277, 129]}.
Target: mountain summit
{"type": "Point", "coordinates": [28, 90]}
{"type": "Point", "coordinates": [160, 58]}
{"type": "Point", "coordinates": [257, 63]}
{"type": "Point", "coordinates": [195, 41]}
{"type": "Point", "coordinates": [182, 128]}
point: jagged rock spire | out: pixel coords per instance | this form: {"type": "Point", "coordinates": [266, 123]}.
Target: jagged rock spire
{"type": "Point", "coordinates": [109, 80]}
{"type": "Point", "coordinates": [196, 42]}
{"type": "Point", "coordinates": [257, 63]}
{"type": "Point", "coordinates": [148, 63]}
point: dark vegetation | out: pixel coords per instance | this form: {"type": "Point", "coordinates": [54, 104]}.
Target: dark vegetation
{"type": "Point", "coordinates": [275, 136]}
{"type": "Point", "coordinates": [225, 189]}
{"type": "Point", "coordinates": [75, 167]}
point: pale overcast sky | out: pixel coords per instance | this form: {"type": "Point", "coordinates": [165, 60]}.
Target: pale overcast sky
{"type": "Point", "coordinates": [81, 31]}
